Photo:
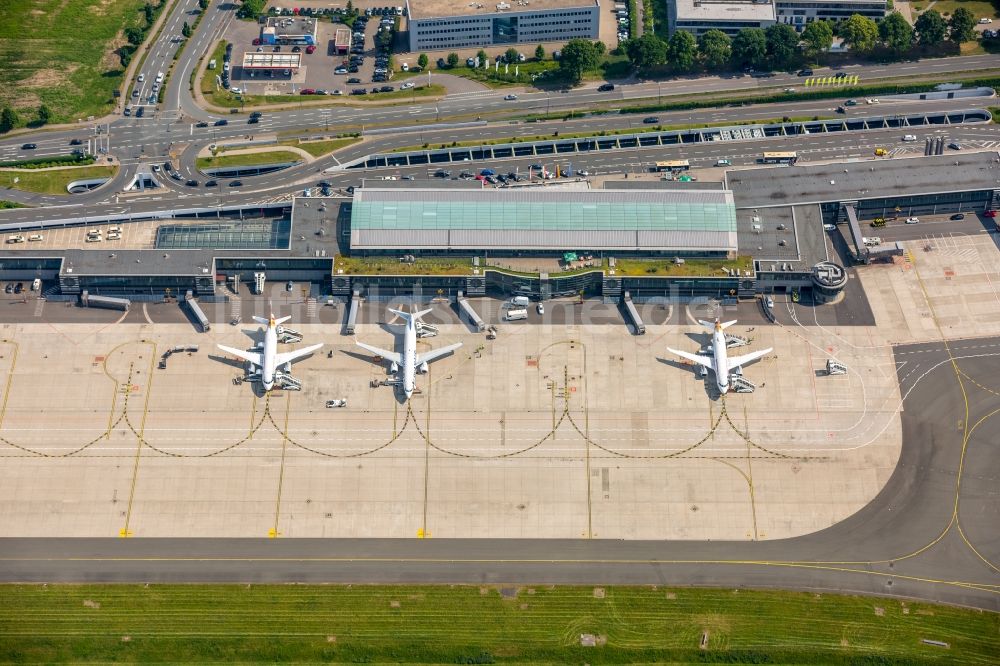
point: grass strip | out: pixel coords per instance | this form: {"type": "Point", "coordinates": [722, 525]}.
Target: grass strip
{"type": "Point", "coordinates": [52, 181]}
{"type": "Point", "coordinates": [472, 624]}
{"type": "Point", "coordinates": [248, 159]}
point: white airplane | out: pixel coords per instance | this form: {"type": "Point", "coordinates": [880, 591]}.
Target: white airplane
{"type": "Point", "coordinates": [410, 361]}
{"type": "Point", "coordinates": [719, 362]}
{"type": "Point", "coordinates": [269, 366]}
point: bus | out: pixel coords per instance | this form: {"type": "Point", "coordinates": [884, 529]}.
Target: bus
{"type": "Point", "coordinates": [673, 165]}
{"type": "Point", "coordinates": [779, 158]}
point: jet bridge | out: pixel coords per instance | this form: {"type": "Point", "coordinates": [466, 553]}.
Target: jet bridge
{"type": "Point", "coordinates": [474, 318]}
{"type": "Point", "coordinates": [352, 315]}
{"type": "Point", "coordinates": [640, 328]}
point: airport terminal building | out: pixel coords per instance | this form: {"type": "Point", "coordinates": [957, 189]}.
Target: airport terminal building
{"type": "Point", "coordinates": [759, 231]}
{"type": "Point", "coordinates": [438, 24]}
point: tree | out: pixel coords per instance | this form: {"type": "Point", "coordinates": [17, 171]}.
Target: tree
{"type": "Point", "coordinates": [186, 29]}
{"type": "Point", "coordinates": [860, 33]}
{"type": "Point", "coordinates": [682, 51]}
{"type": "Point", "coordinates": [716, 49]}
{"type": "Point", "coordinates": [44, 115]}
{"type": "Point", "coordinates": [149, 12]}
{"type": "Point", "coordinates": [8, 119]}
{"type": "Point", "coordinates": [646, 51]}
{"type": "Point", "coordinates": [483, 58]}
{"type": "Point", "coordinates": [452, 59]}
{"type": "Point", "coordinates": [250, 9]}
{"type": "Point", "coordinates": [511, 55]}
{"type": "Point", "coordinates": [422, 61]}
{"type": "Point", "coordinates": [539, 52]}
{"type": "Point", "coordinates": [963, 25]}
{"type": "Point", "coordinates": [931, 28]}
{"type": "Point", "coordinates": [896, 33]}
{"type": "Point", "coordinates": [818, 37]}
{"type": "Point", "coordinates": [578, 56]}
{"type": "Point", "coordinates": [134, 35]}
{"type": "Point", "coordinates": [750, 47]}
{"type": "Point", "coordinates": [782, 45]}
{"type": "Point", "coordinates": [203, 4]}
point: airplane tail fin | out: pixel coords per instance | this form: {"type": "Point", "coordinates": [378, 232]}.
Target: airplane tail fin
{"type": "Point", "coordinates": [710, 325]}
{"type": "Point", "coordinates": [409, 316]}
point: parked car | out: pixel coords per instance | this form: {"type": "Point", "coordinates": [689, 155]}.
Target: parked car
{"type": "Point", "coordinates": [386, 89]}
{"type": "Point", "coordinates": [354, 80]}
{"type": "Point", "coordinates": [406, 86]}
{"type": "Point", "coordinates": [958, 216]}
{"type": "Point", "coordinates": [307, 91]}
{"type": "Point", "coordinates": [912, 220]}
{"type": "Point", "coordinates": [340, 70]}
{"type": "Point", "coordinates": [604, 87]}
{"type": "Point", "coordinates": [955, 146]}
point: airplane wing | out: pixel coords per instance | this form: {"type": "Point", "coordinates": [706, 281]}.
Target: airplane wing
{"type": "Point", "coordinates": [288, 357]}
{"type": "Point", "coordinates": [736, 361]}
{"type": "Point", "coordinates": [388, 355]}
{"type": "Point", "coordinates": [253, 357]}
{"type": "Point", "coordinates": [435, 354]}
{"type": "Point", "coordinates": [706, 361]}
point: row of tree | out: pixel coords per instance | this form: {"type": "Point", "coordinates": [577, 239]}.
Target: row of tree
{"type": "Point", "coordinates": [781, 47]}
{"type": "Point", "coordinates": [9, 118]}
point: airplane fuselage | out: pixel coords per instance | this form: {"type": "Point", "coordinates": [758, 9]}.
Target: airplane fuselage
{"type": "Point", "coordinates": [269, 356]}
{"type": "Point", "coordinates": [721, 359]}
{"type": "Point", "coordinates": [409, 357]}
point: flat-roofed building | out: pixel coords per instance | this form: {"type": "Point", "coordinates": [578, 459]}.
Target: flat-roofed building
{"type": "Point", "coordinates": [729, 16]}
{"type": "Point", "coordinates": [543, 221]}
{"type": "Point", "coordinates": [300, 30]}
{"type": "Point", "coordinates": [442, 24]}
{"type": "Point", "coordinates": [798, 13]}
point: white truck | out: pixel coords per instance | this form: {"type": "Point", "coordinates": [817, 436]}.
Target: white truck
{"type": "Point", "coordinates": [521, 301]}
{"type": "Point", "coordinates": [516, 315]}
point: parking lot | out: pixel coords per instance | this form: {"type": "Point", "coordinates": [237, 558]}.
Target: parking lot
{"type": "Point", "coordinates": [318, 69]}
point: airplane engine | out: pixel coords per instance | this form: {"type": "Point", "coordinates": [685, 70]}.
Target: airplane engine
{"type": "Point", "coordinates": [287, 368]}
{"type": "Point", "coordinates": [394, 368]}
{"type": "Point", "coordinates": [423, 368]}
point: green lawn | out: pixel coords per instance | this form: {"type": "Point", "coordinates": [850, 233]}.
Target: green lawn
{"type": "Point", "coordinates": [392, 266]}
{"type": "Point", "coordinates": [59, 52]}
{"type": "Point", "coordinates": [52, 181]}
{"type": "Point", "coordinates": [208, 78]}
{"type": "Point", "coordinates": [979, 8]}
{"type": "Point", "coordinates": [248, 159]}
{"type": "Point", "coordinates": [320, 148]}
{"type": "Point", "coordinates": [471, 624]}
{"type": "Point", "coordinates": [690, 267]}
{"type": "Point", "coordinates": [4, 204]}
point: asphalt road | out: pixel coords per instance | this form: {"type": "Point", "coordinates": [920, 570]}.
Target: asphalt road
{"type": "Point", "coordinates": [931, 532]}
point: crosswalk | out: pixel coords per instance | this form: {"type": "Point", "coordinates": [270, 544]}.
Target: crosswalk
{"type": "Point", "coordinates": [235, 309]}
{"type": "Point", "coordinates": [39, 305]}
{"type": "Point", "coordinates": [311, 308]}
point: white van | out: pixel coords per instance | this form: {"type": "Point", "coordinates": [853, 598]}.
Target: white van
{"type": "Point", "coordinates": [520, 300]}
{"type": "Point", "coordinates": [515, 315]}
{"type": "Point", "coordinates": [910, 137]}
{"type": "Point", "coordinates": [18, 238]}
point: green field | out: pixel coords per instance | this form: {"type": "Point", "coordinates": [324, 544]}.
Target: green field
{"type": "Point", "coordinates": [248, 159]}
{"type": "Point", "coordinates": [468, 624]}
{"type": "Point", "coordinates": [392, 266]}
{"type": "Point", "coordinates": [979, 8]}
{"type": "Point", "coordinates": [60, 52]}
{"type": "Point", "coordinates": [229, 100]}
{"type": "Point", "coordinates": [52, 181]}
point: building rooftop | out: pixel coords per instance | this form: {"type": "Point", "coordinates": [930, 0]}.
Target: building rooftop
{"type": "Point", "coordinates": [544, 218]}
{"type": "Point", "coordinates": [723, 10]}
{"type": "Point", "coordinates": [253, 60]}
{"type": "Point", "coordinates": [429, 9]}
{"type": "Point", "coordinates": [800, 227]}
{"type": "Point", "coordinates": [291, 26]}
{"type": "Point", "coordinates": [867, 179]}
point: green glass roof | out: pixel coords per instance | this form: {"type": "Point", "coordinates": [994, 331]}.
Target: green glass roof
{"type": "Point", "coordinates": [597, 210]}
